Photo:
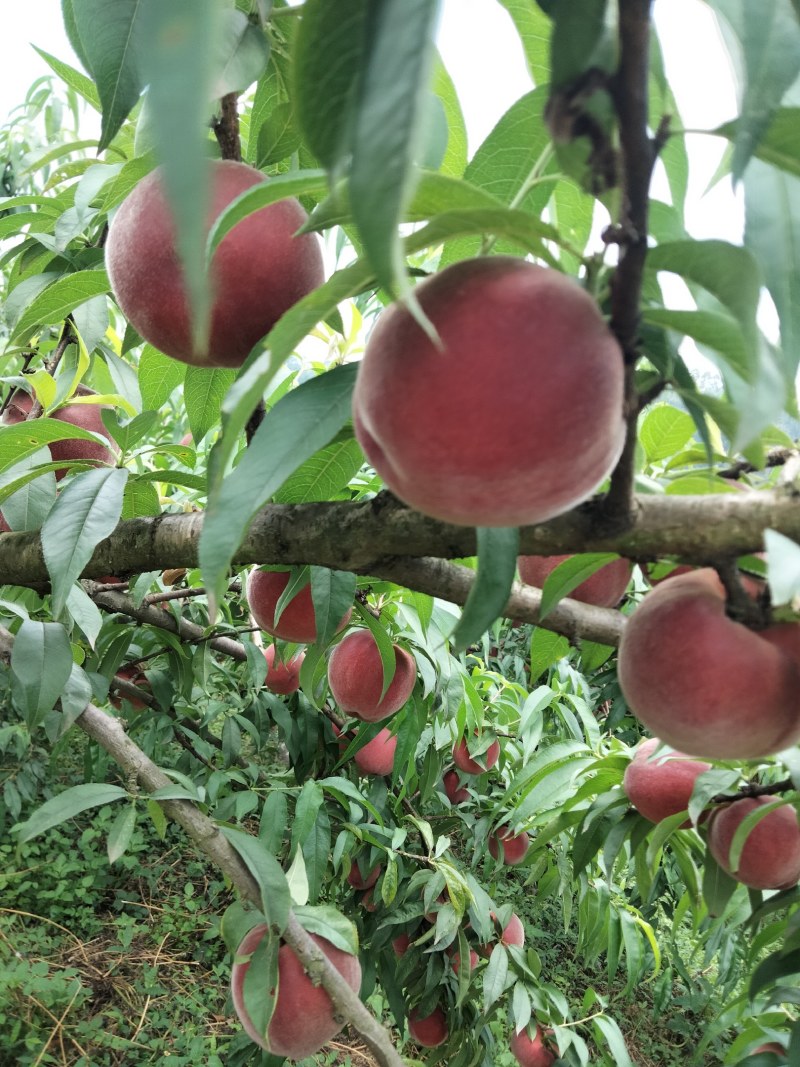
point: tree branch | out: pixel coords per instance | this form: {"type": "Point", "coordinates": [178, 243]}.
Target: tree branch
{"type": "Point", "coordinates": [226, 128]}
{"type": "Point", "coordinates": [109, 733]}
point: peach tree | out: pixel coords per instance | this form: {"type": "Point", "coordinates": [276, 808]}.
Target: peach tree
{"type": "Point", "coordinates": [293, 387]}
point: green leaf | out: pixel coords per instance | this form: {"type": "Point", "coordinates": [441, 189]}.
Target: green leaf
{"type": "Point", "coordinates": [159, 376]}
{"type": "Point", "coordinates": [176, 44]}
{"type": "Point", "coordinates": [547, 648]}
{"type": "Point", "coordinates": [86, 511]}
{"type": "Point", "coordinates": [242, 53]}
{"type": "Point", "coordinates": [119, 836]}
{"type": "Point", "coordinates": [41, 663]}
{"type": "Point", "coordinates": [325, 475]}
{"type": "Point", "coordinates": [330, 924]}
{"type": "Point", "coordinates": [73, 78]}
{"type": "Point", "coordinates": [274, 820]}
{"type": "Point", "coordinates": [301, 422]}
{"type": "Point", "coordinates": [568, 576]}
{"type": "Point", "coordinates": [65, 806]}
{"type": "Point", "coordinates": [772, 233]}
{"type": "Point", "coordinates": [272, 884]}
{"type": "Point", "coordinates": [578, 34]}
{"type": "Point", "coordinates": [70, 25]}
{"type": "Point", "coordinates": [386, 127]}
{"type": "Point", "coordinates": [498, 548]}
{"type": "Point", "coordinates": [204, 389]}
{"type": "Point", "coordinates": [780, 144]}
{"type": "Point", "coordinates": [718, 886]}
{"type": "Point", "coordinates": [324, 90]}
{"type": "Point", "coordinates": [772, 969]}
{"type": "Point", "coordinates": [664, 431]}
{"type": "Point", "coordinates": [608, 1030]}
{"type": "Point", "coordinates": [455, 156]}
{"type": "Point", "coordinates": [728, 272]}
{"type": "Point", "coordinates": [60, 298]}
{"type": "Point", "coordinates": [710, 328]}
{"type": "Point", "coordinates": [533, 27]}
{"type": "Point", "coordinates": [108, 33]}
{"type": "Point", "coordinates": [770, 40]}
{"type": "Point", "coordinates": [25, 439]}
{"type": "Point", "coordinates": [140, 498]}
{"type": "Point", "coordinates": [332, 594]}
{"type": "Point", "coordinates": [28, 506]}
{"type": "Point", "coordinates": [495, 976]}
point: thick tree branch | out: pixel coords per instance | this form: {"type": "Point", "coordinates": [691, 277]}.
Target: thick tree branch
{"type": "Point", "coordinates": [109, 733]}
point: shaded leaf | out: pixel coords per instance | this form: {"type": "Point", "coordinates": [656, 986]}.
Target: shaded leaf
{"type": "Point", "coordinates": [498, 548]}
{"type": "Point", "coordinates": [65, 806]}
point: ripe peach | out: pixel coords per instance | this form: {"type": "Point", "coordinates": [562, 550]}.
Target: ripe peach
{"type": "Point", "coordinates": [513, 934]}
{"type": "Point", "coordinates": [773, 1046]}
{"type": "Point", "coordinates": [531, 1051]}
{"type": "Point", "coordinates": [377, 756]}
{"type": "Point", "coordinates": [259, 270]}
{"type": "Point", "coordinates": [303, 1020]}
{"type": "Point", "coordinates": [429, 1031]}
{"type": "Point", "coordinates": [355, 675]}
{"type": "Point", "coordinates": [514, 846]}
{"type": "Point", "coordinates": [770, 858]}
{"type": "Point", "coordinates": [605, 588]}
{"type": "Point", "coordinates": [297, 621]}
{"type": "Point", "coordinates": [474, 959]}
{"type": "Point", "coordinates": [455, 794]}
{"type": "Point", "coordinates": [465, 763]}
{"type": "Point", "coordinates": [283, 677]}
{"type": "Point", "coordinates": [359, 881]}
{"type": "Point", "coordinates": [704, 683]}
{"type": "Point", "coordinates": [514, 416]}
{"type": "Point", "coordinates": [400, 944]}
{"type": "Point", "coordinates": [661, 787]}
{"type": "Point", "coordinates": [136, 677]}
{"type": "Point", "coordinates": [85, 416]}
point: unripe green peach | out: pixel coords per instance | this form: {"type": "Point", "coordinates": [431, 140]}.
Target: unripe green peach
{"type": "Point", "coordinates": [258, 271]}
{"type": "Point", "coordinates": [512, 415]}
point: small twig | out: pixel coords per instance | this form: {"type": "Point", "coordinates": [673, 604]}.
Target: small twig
{"type": "Point", "coordinates": [255, 421]}
{"type": "Point", "coordinates": [753, 789]}
{"type": "Point", "coordinates": [226, 128]}
{"type": "Point", "coordinates": [739, 604]}
{"type": "Point", "coordinates": [67, 338]}
{"type": "Point", "coordinates": [776, 457]}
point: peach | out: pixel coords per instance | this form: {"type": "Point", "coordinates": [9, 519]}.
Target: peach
{"type": "Point", "coordinates": [661, 787]}
{"type": "Point", "coordinates": [514, 846]}
{"type": "Point", "coordinates": [770, 858]}
{"type": "Point", "coordinates": [773, 1046]}
{"type": "Point", "coordinates": [704, 683]}
{"type": "Point", "coordinates": [4, 527]}
{"type": "Point", "coordinates": [84, 416]}
{"type": "Point", "coordinates": [605, 588]}
{"type": "Point", "coordinates": [401, 944]}
{"type": "Point", "coordinates": [531, 1051]}
{"type": "Point", "coordinates": [474, 959]}
{"type": "Point", "coordinates": [377, 756]}
{"type": "Point", "coordinates": [513, 416]}
{"type": "Point", "coordinates": [468, 765]}
{"type": "Point", "coordinates": [136, 677]}
{"type": "Point", "coordinates": [455, 794]}
{"type": "Point", "coordinates": [359, 881]}
{"type": "Point", "coordinates": [297, 621]}
{"type": "Point", "coordinates": [283, 677]}
{"type": "Point", "coordinates": [429, 1030]}
{"type": "Point", "coordinates": [259, 270]}
{"type": "Point", "coordinates": [303, 1020]}
{"type": "Point", "coordinates": [513, 934]}
{"type": "Point", "coordinates": [355, 675]}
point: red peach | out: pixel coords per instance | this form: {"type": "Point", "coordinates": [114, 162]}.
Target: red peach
{"type": "Point", "coordinates": [136, 677]}
{"type": "Point", "coordinates": [770, 858]}
{"type": "Point", "coordinates": [401, 944]}
{"type": "Point", "coordinates": [357, 881]}
{"type": "Point", "coordinates": [297, 621]}
{"type": "Point", "coordinates": [259, 270]}
{"type": "Point", "coordinates": [703, 682]}
{"type": "Point", "coordinates": [474, 959]}
{"type": "Point", "coordinates": [531, 1051]}
{"type": "Point", "coordinates": [513, 934]}
{"type": "Point", "coordinates": [430, 1031]}
{"type": "Point", "coordinates": [661, 787]}
{"type": "Point", "coordinates": [773, 1046]}
{"type": "Point", "coordinates": [304, 1018]}
{"type": "Point", "coordinates": [454, 794]}
{"type": "Point", "coordinates": [513, 415]}
{"type": "Point", "coordinates": [377, 756]}
{"type": "Point", "coordinates": [355, 675]}
{"type": "Point", "coordinates": [605, 588]}
{"type": "Point", "coordinates": [514, 846]}
{"type": "Point", "coordinates": [283, 677]}
{"type": "Point", "coordinates": [4, 527]}
{"type": "Point", "coordinates": [468, 765]}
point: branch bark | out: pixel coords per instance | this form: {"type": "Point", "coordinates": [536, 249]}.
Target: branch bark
{"type": "Point", "coordinates": [135, 764]}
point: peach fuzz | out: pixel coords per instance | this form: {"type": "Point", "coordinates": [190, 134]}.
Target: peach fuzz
{"type": "Point", "coordinates": [663, 786]}
{"type": "Point", "coordinates": [704, 683]}
{"type": "Point", "coordinates": [297, 621]}
{"type": "Point", "coordinates": [468, 765]}
{"type": "Point", "coordinates": [531, 1051]}
{"type": "Point", "coordinates": [429, 1031]}
{"type": "Point", "coordinates": [770, 858]}
{"type": "Point", "coordinates": [605, 588]}
{"type": "Point", "coordinates": [84, 416]}
{"type": "Point", "coordinates": [355, 675]}
{"type": "Point", "coordinates": [377, 756]}
{"type": "Point", "coordinates": [284, 676]}
{"type": "Point", "coordinates": [303, 1020]}
{"type": "Point", "coordinates": [513, 417]}
{"type": "Point", "coordinates": [514, 846]}
{"type": "Point", "coordinates": [259, 270]}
